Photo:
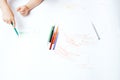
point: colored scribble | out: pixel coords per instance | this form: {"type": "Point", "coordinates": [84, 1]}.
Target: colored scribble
{"type": "Point", "coordinates": [70, 45]}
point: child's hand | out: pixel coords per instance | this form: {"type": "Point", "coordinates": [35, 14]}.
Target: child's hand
{"type": "Point", "coordinates": [7, 13]}
{"type": "Point", "coordinates": [8, 17]}
{"type": "Point", "coordinates": [24, 10]}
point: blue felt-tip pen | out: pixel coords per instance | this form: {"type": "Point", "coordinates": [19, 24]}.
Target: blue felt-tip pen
{"type": "Point", "coordinates": [55, 41]}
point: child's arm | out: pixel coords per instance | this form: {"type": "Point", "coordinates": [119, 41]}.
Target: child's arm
{"type": "Point", "coordinates": [25, 9]}
{"type": "Point", "coordinates": [33, 3]}
{"type": "Point", "coordinates": [7, 13]}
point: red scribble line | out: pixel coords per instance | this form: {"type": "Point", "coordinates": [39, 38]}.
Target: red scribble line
{"type": "Point", "coordinates": [64, 52]}
{"type": "Point", "coordinates": [75, 41]}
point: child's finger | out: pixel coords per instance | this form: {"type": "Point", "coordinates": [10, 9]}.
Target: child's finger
{"type": "Point", "coordinates": [9, 22]}
{"type": "Point", "coordinates": [4, 20]}
{"type": "Point", "coordinates": [22, 10]}
{"type": "Point", "coordinates": [24, 14]}
{"type": "Point", "coordinates": [14, 24]}
{"type": "Point", "coordinates": [18, 9]}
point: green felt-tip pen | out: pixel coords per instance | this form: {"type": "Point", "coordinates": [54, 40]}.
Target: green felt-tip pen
{"type": "Point", "coordinates": [51, 33]}
{"type": "Point", "coordinates": [15, 29]}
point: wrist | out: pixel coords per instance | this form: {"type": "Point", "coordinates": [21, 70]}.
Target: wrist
{"type": "Point", "coordinates": [28, 7]}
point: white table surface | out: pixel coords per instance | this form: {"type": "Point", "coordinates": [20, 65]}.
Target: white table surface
{"type": "Point", "coordinates": [78, 55]}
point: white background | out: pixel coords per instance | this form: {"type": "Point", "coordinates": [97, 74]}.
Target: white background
{"type": "Point", "coordinates": [79, 55]}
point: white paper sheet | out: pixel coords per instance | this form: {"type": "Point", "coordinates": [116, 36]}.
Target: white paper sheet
{"type": "Point", "coordinates": [78, 55]}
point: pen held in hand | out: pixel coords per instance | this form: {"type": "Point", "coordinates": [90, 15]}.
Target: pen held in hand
{"type": "Point", "coordinates": [15, 29]}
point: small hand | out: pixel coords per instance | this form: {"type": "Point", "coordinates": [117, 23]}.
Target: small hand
{"type": "Point", "coordinates": [8, 16]}
{"type": "Point", "coordinates": [23, 10]}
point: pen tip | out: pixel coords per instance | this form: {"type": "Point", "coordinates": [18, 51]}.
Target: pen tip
{"type": "Point", "coordinates": [16, 31]}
